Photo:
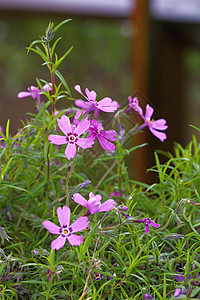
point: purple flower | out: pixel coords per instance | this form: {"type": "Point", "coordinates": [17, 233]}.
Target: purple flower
{"type": "Point", "coordinates": [147, 222]}
{"type": "Point", "coordinates": [124, 208]}
{"type": "Point", "coordinates": [104, 137]}
{"type": "Point", "coordinates": [71, 137]}
{"type": "Point", "coordinates": [98, 276]}
{"type": "Point", "coordinates": [154, 126]}
{"type": "Point", "coordinates": [106, 104]}
{"type": "Point", "coordinates": [35, 92]}
{"type": "Point", "coordinates": [66, 231]}
{"type": "Point", "coordinates": [178, 292]}
{"type": "Point", "coordinates": [180, 276]}
{"type": "Point", "coordinates": [147, 296]}
{"type": "Point", "coordinates": [94, 203]}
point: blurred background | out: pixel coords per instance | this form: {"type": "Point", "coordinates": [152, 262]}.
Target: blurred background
{"type": "Point", "coordinates": [121, 48]}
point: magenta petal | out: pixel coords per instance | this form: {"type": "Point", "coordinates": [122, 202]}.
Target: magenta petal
{"type": "Point", "coordinates": [159, 124]}
{"type": "Point", "coordinates": [75, 240]}
{"type": "Point", "coordinates": [78, 89]}
{"type": "Point", "coordinates": [64, 124]}
{"type": "Point", "coordinates": [82, 126]}
{"type": "Point", "coordinates": [146, 229]}
{"type": "Point", "coordinates": [85, 142]}
{"type": "Point", "coordinates": [80, 224]}
{"type": "Point", "coordinates": [82, 104]}
{"type": "Point", "coordinates": [57, 139]}
{"type": "Point", "coordinates": [160, 135]}
{"type": "Point", "coordinates": [109, 134]}
{"type": "Point", "coordinates": [63, 215]}
{"type": "Point", "coordinates": [54, 229]}
{"type": "Point", "coordinates": [58, 243]}
{"type": "Point", "coordinates": [47, 87]}
{"type": "Point", "coordinates": [91, 95]}
{"type": "Point", "coordinates": [24, 94]}
{"type": "Point", "coordinates": [80, 199]}
{"type": "Point", "coordinates": [107, 105]}
{"type": "Point", "coordinates": [148, 113]}
{"type": "Point", "coordinates": [70, 151]}
{"type": "Point", "coordinates": [152, 223]}
{"type": "Point", "coordinates": [105, 144]}
{"type": "Point", "coordinates": [108, 205]}
{"type": "Point", "coordinates": [92, 195]}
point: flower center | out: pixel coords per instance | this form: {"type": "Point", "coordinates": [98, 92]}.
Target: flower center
{"type": "Point", "coordinates": [71, 137]}
{"type": "Point", "coordinates": [66, 231]}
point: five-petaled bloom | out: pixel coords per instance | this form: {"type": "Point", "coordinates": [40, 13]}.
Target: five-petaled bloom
{"type": "Point", "coordinates": [35, 92]}
{"type": "Point", "coordinates": [104, 137]}
{"type": "Point", "coordinates": [94, 203]}
{"type": "Point", "coordinates": [106, 104]}
{"type": "Point", "coordinates": [72, 136]}
{"type": "Point", "coordinates": [98, 276]}
{"type": "Point", "coordinates": [154, 126]}
{"type": "Point", "coordinates": [147, 222]}
{"type": "Point", "coordinates": [66, 231]}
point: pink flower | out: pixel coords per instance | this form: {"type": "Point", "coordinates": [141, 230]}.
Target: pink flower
{"type": "Point", "coordinates": [147, 222]}
{"type": "Point", "coordinates": [154, 126]}
{"type": "Point", "coordinates": [66, 231]}
{"type": "Point", "coordinates": [104, 137]}
{"type": "Point", "coordinates": [34, 92]}
{"type": "Point", "coordinates": [178, 292]}
{"type": "Point", "coordinates": [94, 203]}
{"type": "Point", "coordinates": [106, 104]}
{"type": "Point", "coordinates": [72, 136]}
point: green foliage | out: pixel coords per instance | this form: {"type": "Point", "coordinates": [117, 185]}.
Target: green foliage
{"type": "Point", "coordinates": [36, 178]}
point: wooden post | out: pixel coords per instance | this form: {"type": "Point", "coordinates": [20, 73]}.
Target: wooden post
{"type": "Point", "coordinates": [140, 160]}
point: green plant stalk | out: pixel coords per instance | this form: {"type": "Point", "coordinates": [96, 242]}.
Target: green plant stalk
{"type": "Point", "coordinates": [67, 180]}
{"type": "Point", "coordinates": [52, 77]}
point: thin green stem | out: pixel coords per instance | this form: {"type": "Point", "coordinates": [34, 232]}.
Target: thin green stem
{"type": "Point", "coordinates": [52, 78]}
{"type": "Point", "coordinates": [67, 181]}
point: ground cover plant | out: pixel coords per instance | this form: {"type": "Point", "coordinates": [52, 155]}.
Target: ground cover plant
{"type": "Point", "coordinates": [73, 224]}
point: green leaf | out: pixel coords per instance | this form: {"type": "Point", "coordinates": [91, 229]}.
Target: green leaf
{"type": "Point", "coordinates": [61, 24]}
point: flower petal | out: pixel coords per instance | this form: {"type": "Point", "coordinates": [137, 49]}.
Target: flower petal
{"type": "Point", "coordinates": [64, 124]}
{"type": "Point", "coordinates": [80, 224]}
{"type": "Point", "coordinates": [54, 229]}
{"type": "Point", "coordinates": [82, 126]}
{"type": "Point", "coordinates": [70, 151]}
{"type": "Point", "coordinates": [148, 113]}
{"type": "Point", "coordinates": [82, 104]}
{"type": "Point", "coordinates": [109, 134]}
{"type": "Point", "coordinates": [105, 144]}
{"type": "Point", "coordinates": [108, 205]}
{"type": "Point", "coordinates": [47, 87]}
{"type": "Point", "coordinates": [78, 89]}
{"type": "Point", "coordinates": [58, 243]}
{"type": "Point", "coordinates": [160, 135]}
{"type": "Point", "coordinates": [80, 199]}
{"type": "Point", "coordinates": [146, 229]}
{"type": "Point", "coordinates": [152, 223]}
{"type": "Point", "coordinates": [91, 94]}
{"type": "Point", "coordinates": [57, 139]}
{"type": "Point", "coordinates": [107, 105]}
{"type": "Point", "coordinates": [75, 240]}
{"type": "Point", "coordinates": [159, 124]}
{"type": "Point", "coordinates": [24, 94]}
{"type": "Point", "coordinates": [63, 215]}
{"type": "Point", "coordinates": [85, 142]}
